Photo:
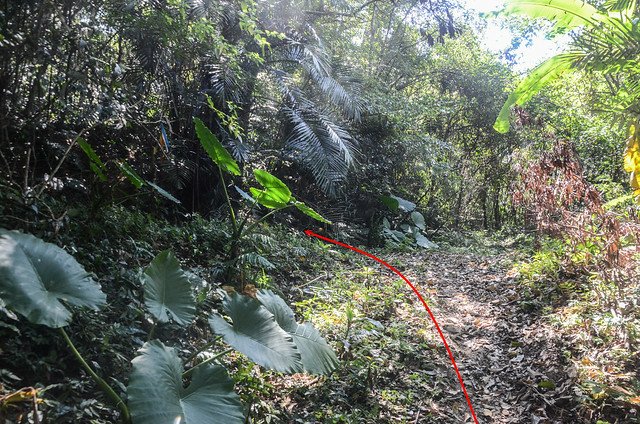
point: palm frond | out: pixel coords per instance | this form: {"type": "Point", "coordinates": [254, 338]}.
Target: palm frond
{"type": "Point", "coordinates": [566, 14]}
{"type": "Point", "coordinates": [624, 6]}
{"type": "Point", "coordinates": [340, 89]}
{"type": "Point", "coordinates": [176, 172]}
{"type": "Point", "coordinates": [348, 104]}
{"type": "Point", "coordinates": [543, 74]}
{"type": "Point", "coordinates": [224, 84]}
{"type": "Point", "coordinates": [320, 145]}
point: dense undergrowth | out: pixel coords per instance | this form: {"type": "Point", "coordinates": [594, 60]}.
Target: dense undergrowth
{"type": "Point", "coordinates": [115, 247]}
{"type": "Point", "coordinates": [343, 295]}
{"type": "Point", "coordinates": [386, 366]}
{"type": "Point", "coordinates": [600, 341]}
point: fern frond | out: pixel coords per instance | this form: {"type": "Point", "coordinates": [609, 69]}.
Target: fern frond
{"type": "Point", "coordinates": [263, 240]}
{"type": "Point", "coordinates": [254, 259]}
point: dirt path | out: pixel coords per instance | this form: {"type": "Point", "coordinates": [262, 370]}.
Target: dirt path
{"type": "Point", "coordinates": [394, 367]}
{"type": "Point", "coordinates": [511, 360]}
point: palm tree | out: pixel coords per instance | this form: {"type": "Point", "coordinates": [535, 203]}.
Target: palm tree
{"type": "Point", "coordinates": [315, 99]}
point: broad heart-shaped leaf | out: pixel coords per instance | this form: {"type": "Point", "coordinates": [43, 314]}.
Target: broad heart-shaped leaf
{"type": "Point", "coordinates": [256, 334]}
{"type": "Point", "coordinates": [390, 202]}
{"type": "Point", "coordinates": [418, 219]}
{"type": "Point", "coordinates": [36, 276]}
{"type": "Point", "coordinates": [275, 194]}
{"type": "Point", "coordinates": [317, 355]}
{"type": "Point", "coordinates": [156, 394]}
{"type": "Point", "coordinates": [404, 204]}
{"type": "Point", "coordinates": [422, 241]}
{"type": "Point", "coordinates": [543, 74]}
{"type": "Point", "coordinates": [167, 290]}
{"type": "Point", "coordinates": [262, 197]}
{"type": "Point", "coordinates": [215, 149]}
{"type": "Point", "coordinates": [309, 212]}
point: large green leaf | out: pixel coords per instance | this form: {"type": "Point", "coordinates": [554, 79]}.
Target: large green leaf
{"type": "Point", "coordinates": [167, 290]}
{"type": "Point", "coordinates": [418, 219]}
{"type": "Point", "coordinates": [256, 334]}
{"type": "Point", "coordinates": [215, 149]}
{"type": "Point", "coordinates": [390, 202]}
{"type": "Point", "coordinates": [566, 14]}
{"type": "Point", "coordinates": [131, 174]}
{"type": "Point", "coordinates": [91, 154]}
{"type": "Point", "coordinates": [317, 355]}
{"type": "Point", "coordinates": [275, 194]}
{"type": "Point", "coordinates": [156, 394]}
{"type": "Point", "coordinates": [36, 277]}
{"type": "Point", "coordinates": [404, 204]}
{"type": "Point", "coordinates": [262, 197]}
{"type": "Point", "coordinates": [309, 212]}
{"type": "Point", "coordinates": [423, 241]}
{"type": "Point", "coordinates": [543, 74]}
{"type": "Point", "coordinates": [96, 164]}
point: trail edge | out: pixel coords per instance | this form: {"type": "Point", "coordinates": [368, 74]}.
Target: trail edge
{"type": "Point", "coordinates": [415, 290]}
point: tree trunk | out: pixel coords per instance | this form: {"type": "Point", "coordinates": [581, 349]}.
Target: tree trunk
{"type": "Point", "coordinates": [497, 217]}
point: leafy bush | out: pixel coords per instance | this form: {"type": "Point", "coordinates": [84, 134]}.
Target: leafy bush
{"type": "Point", "coordinates": [35, 276]}
{"type": "Point", "coordinates": [409, 224]}
{"type": "Point", "coordinates": [274, 196]}
{"type": "Point", "coordinates": [544, 265]}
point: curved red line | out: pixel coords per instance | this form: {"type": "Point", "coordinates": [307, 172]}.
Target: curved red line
{"type": "Point", "coordinates": [415, 290]}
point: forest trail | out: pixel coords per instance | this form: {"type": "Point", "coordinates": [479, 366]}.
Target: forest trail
{"type": "Point", "coordinates": [511, 360]}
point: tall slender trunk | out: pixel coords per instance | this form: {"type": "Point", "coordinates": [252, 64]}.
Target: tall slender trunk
{"type": "Point", "coordinates": [497, 216]}
{"type": "Point", "coordinates": [458, 208]}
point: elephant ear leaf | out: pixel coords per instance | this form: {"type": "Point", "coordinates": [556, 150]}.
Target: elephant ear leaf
{"type": "Point", "coordinates": [302, 207]}
{"type": "Point", "coordinates": [215, 149]}
{"type": "Point", "coordinates": [418, 220]}
{"type": "Point", "coordinates": [37, 277]}
{"type": "Point", "coordinates": [423, 241]}
{"type": "Point", "coordinates": [156, 394]}
{"type": "Point", "coordinates": [317, 355]}
{"type": "Point", "coordinates": [275, 193]}
{"type": "Point", "coordinates": [167, 290]}
{"type": "Point", "coordinates": [256, 334]}
{"type": "Point", "coordinates": [404, 204]}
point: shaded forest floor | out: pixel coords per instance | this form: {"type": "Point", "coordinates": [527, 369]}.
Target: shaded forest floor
{"type": "Point", "coordinates": [515, 364]}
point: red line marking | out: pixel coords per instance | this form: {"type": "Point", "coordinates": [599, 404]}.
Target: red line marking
{"type": "Point", "coordinates": [415, 290]}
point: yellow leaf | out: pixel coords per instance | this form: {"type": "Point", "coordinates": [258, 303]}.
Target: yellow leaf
{"type": "Point", "coordinates": [629, 162]}
{"type": "Point", "coordinates": [633, 181]}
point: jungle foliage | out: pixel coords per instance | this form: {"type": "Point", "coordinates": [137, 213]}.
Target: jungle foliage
{"type": "Point", "coordinates": [157, 158]}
